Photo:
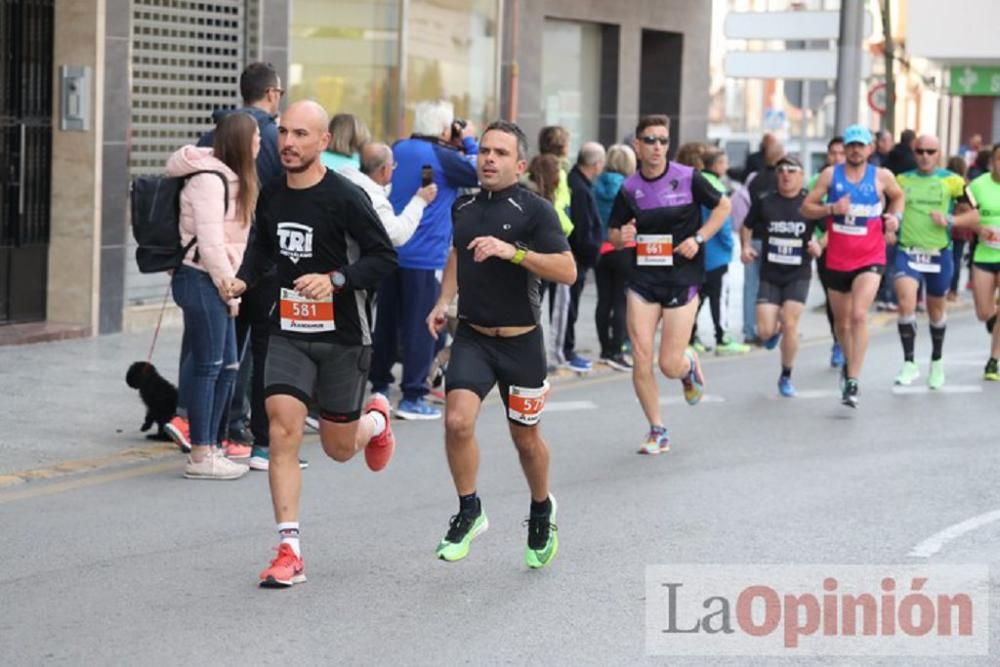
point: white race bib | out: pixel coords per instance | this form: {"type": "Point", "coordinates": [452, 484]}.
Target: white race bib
{"type": "Point", "coordinates": [924, 261]}
{"type": "Point", "coordinates": [785, 251]}
{"type": "Point", "coordinates": [654, 250]}
{"type": "Point", "coordinates": [304, 315]}
{"type": "Point", "coordinates": [525, 404]}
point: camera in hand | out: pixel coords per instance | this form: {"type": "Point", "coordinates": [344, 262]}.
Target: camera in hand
{"type": "Point", "coordinates": [457, 127]}
{"type": "Point", "coordinates": [426, 175]}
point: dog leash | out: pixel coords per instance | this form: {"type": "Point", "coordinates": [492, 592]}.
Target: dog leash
{"type": "Point", "coordinates": [159, 321]}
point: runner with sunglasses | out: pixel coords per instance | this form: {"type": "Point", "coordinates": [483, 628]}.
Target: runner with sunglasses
{"type": "Point", "coordinates": [659, 208]}
{"type": "Point", "coordinates": [924, 254]}
{"type": "Point", "coordinates": [786, 267]}
{"type": "Point", "coordinates": [855, 256]}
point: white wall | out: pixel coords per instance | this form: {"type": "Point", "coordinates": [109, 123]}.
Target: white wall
{"type": "Point", "coordinates": [956, 30]}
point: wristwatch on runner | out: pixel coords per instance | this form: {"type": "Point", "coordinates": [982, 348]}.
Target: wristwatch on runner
{"type": "Point", "coordinates": [519, 253]}
{"type": "Point", "coordinates": [699, 239]}
{"type": "Point", "coordinates": [338, 280]}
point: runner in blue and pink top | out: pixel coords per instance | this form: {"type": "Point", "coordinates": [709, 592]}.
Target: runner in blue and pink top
{"type": "Point", "coordinates": [858, 227]}
{"type": "Point", "coordinates": [659, 208]}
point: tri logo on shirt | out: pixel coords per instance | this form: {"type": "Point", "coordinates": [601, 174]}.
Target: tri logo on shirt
{"type": "Point", "coordinates": [295, 240]}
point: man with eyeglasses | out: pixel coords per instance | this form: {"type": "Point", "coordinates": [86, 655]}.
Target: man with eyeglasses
{"type": "Point", "coordinates": [924, 254]}
{"type": "Point", "coordinates": [786, 254]}
{"type": "Point", "coordinates": [659, 208]}
{"type": "Point", "coordinates": [857, 228]}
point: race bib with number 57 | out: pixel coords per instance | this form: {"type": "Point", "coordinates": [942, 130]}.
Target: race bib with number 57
{"type": "Point", "coordinates": [525, 404]}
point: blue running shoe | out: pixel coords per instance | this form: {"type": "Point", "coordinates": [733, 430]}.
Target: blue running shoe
{"type": "Point", "coordinates": [580, 365]}
{"type": "Point", "coordinates": [836, 356]}
{"type": "Point", "coordinates": [260, 459]}
{"type": "Point", "coordinates": [418, 409]}
{"type": "Point", "coordinates": [785, 387]}
{"type": "Point", "coordinates": [773, 341]}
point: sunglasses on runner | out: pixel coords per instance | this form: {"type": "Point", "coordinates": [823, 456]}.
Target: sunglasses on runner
{"type": "Point", "coordinates": [788, 169]}
{"type": "Point", "coordinates": [649, 140]}
{"type": "Point", "coordinates": [925, 151]}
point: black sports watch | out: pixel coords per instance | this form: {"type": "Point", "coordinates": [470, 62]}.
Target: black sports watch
{"type": "Point", "coordinates": [699, 239]}
{"type": "Point", "coordinates": [338, 280]}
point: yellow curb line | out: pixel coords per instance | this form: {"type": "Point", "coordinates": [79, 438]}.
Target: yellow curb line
{"type": "Point", "coordinates": [133, 455]}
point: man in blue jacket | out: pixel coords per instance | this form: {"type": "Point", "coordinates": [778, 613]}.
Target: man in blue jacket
{"type": "Point", "coordinates": [409, 293]}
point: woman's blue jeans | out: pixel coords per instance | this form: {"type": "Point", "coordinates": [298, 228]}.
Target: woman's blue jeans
{"type": "Point", "coordinates": [209, 371]}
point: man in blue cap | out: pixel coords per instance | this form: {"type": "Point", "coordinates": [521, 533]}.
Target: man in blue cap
{"type": "Point", "coordinates": [857, 228]}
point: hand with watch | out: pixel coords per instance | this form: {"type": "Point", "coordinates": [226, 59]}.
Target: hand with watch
{"type": "Point", "coordinates": [690, 246]}
{"type": "Point", "coordinates": [319, 285]}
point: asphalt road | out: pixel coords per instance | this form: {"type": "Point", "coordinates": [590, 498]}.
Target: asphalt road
{"type": "Point", "coordinates": [136, 565]}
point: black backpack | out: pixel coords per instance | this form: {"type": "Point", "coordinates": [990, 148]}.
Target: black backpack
{"type": "Point", "coordinates": [156, 212]}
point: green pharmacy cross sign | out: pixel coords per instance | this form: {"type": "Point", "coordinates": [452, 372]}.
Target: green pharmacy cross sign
{"type": "Point", "coordinates": [971, 80]}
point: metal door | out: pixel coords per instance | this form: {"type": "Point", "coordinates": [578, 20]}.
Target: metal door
{"type": "Point", "coordinates": [26, 32]}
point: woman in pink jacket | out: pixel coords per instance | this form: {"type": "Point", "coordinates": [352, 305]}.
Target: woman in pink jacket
{"type": "Point", "coordinates": [199, 285]}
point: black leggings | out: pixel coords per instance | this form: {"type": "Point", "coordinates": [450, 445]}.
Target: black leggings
{"type": "Point", "coordinates": [711, 291]}
{"type": "Point", "coordinates": [612, 270]}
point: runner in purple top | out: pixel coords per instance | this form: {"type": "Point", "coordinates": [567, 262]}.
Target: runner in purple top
{"type": "Point", "coordinates": [659, 208]}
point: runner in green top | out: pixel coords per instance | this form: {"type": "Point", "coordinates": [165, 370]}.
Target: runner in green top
{"type": "Point", "coordinates": [924, 254]}
{"type": "Point", "coordinates": [984, 194]}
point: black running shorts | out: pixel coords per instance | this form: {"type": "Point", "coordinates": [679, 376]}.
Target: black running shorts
{"type": "Point", "coordinates": [478, 362]}
{"type": "Point", "coordinates": [335, 374]}
{"type": "Point", "coordinates": [843, 281]}
{"type": "Point", "coordinates": [772, 293]}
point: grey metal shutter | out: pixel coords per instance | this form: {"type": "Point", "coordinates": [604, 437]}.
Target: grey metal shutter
{"type": "Point", "coordinates": [186, 61]}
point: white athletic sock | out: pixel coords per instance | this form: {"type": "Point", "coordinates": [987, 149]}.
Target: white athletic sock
{"type": "Point", "coordinates": [378, 423]}
{"type": "Point", "coordinates": [289, 533]}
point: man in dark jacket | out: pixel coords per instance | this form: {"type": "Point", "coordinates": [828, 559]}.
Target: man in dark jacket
{"type": "Point", "coordinates": [585, 239]}
{"type": "Point", "coordinates": [757, 161]}
{"type": "Point", "coordinates": [901, 157]}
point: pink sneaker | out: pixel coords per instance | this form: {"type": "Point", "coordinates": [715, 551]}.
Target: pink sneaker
{"type": "Point", "coordinates": [235, 450]}
{"type": "Point", "coordinates": [380, 448]}
{"type": "Point", "coordinates": [180, 431]}
{"type": "Point", "coordinates": [285, 570]}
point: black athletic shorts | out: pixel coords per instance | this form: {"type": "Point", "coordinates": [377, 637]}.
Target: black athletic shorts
{"type": "Point", "coordinates": [335, 374]}
{"type": "Point", "coordinates": [479, 361]}
{"type": "Point", "coordinates": [666, 296]}
{"type": "Point", "coordinates": [772, 293]}
{"type": "Point", "coordinates": [842, 281]}
{"type": "Point", "coordinates": [992, 267]}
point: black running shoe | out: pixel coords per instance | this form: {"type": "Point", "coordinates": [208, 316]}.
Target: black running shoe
{"type": "Point", "coordinates": [850, 395]}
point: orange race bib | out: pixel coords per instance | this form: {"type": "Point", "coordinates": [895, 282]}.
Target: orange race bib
{"type": "Point", "coordinates": [524, 405]}
{"type": "Point", "coordinates": [304, 315]}
{"type": "Point", "coordinates": [654, 250]}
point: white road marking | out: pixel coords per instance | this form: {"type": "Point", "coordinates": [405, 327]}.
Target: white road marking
{"type": "Point", "coordinates": [569, 406]}
{"type": "Point", "coordinates": [679, 400]}
{"type": "Point", "coordinates": [947, 389]}
{"type": "Point", "coordinates": [935, 542]}
{"type": "Point", "coordinates": [808, 394]}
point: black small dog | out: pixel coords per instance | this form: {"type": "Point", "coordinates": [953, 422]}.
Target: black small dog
{"type": "Point", "coordinates": [157, 393]}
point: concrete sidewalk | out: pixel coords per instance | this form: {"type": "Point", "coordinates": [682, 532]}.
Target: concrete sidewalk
{"type": "Point", "coordinates": [65, 407]}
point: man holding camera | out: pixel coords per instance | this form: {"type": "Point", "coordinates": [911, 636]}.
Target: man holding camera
{"type": "Point", "coordinates": [442, 151]}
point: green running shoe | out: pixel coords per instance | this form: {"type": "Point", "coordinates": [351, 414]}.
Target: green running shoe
{"type": "Point", "coordinates": [461, 531]}
{"type": "Point", "coordinates": [935, 379]}
{"type": "Point", "coordinates": [728, 346]}
{"type": "Point", "coordinates": [908, 373]}
{"type": "Point", "coordinates": [991, 373]}
{"type": "Point", "coordinates": [543, 540]}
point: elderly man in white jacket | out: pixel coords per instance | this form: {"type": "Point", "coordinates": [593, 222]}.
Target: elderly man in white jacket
{"type": "Point", "coordinates": [374, 177]}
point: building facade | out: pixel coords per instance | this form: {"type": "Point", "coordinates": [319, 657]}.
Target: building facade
{"type": "Point", "coordinates": [98, 91]}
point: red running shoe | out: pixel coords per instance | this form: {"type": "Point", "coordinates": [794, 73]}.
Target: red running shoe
{"type": "Point", "coordinates": [179, 430]}
{"type": "Point", "coordinates": [380, 448]}
{"type": "Point", "coordinates": [286, 570]}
